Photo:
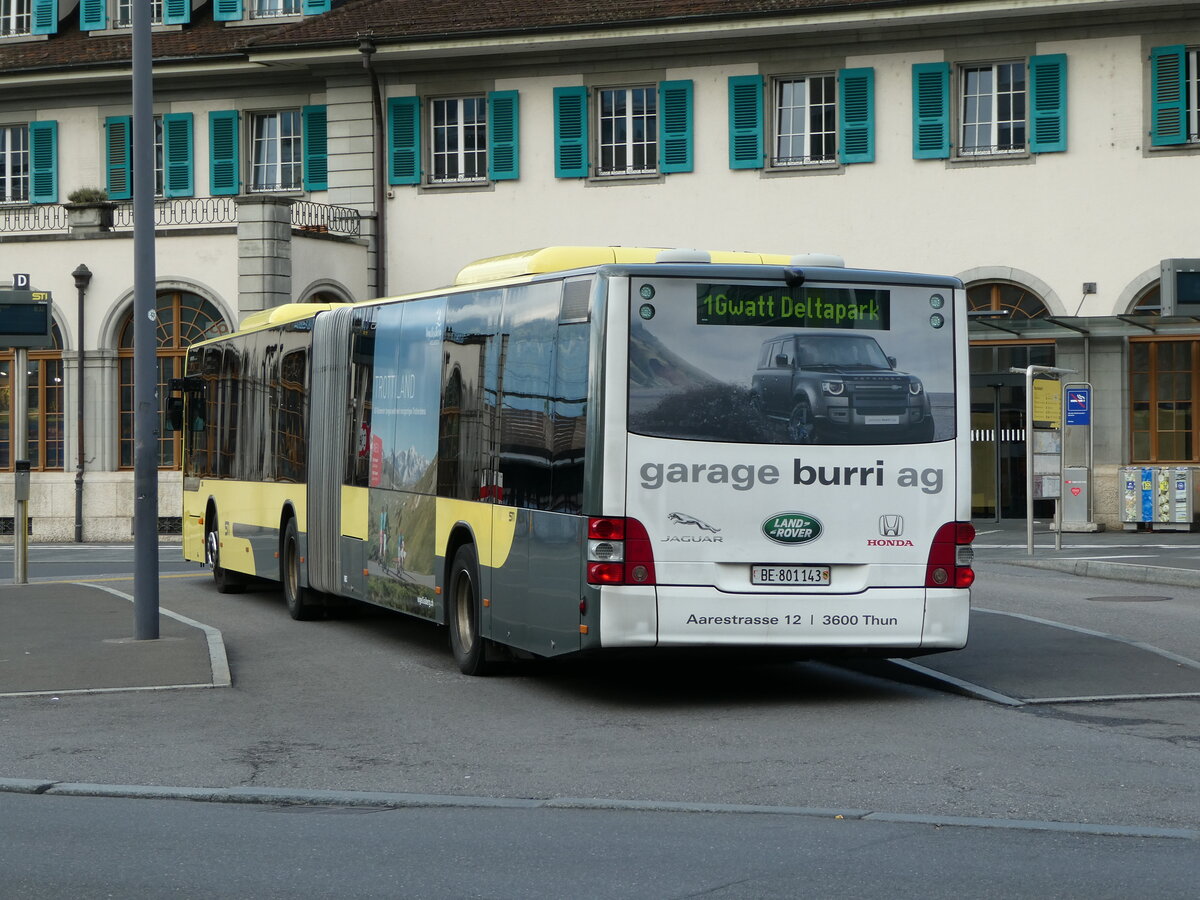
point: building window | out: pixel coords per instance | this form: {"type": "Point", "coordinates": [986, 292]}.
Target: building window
{"type": "Point", "coordinates": [15, 17]}
{"type": "Point", "coordinates": [276, 147]}
{"type": "Point", "coordinates": [993, 109]}
{"type": "Point", "coordinates": [182, 319]}
{"type": "Point", "coordinates": [14, 163]}
{"type": "Point", "coordinates": [998, 296]}
{"type": "Point", "coordinates": [44, 407]}
{"type": "Point", "coordinates": [124, 13]}
{"type": "Point", "coordinates": [471, 140]}
{"type": "Point", "coordinates": [274, 9]}
{"type": "Point", "coordinates": [1174, 96]}
{"type": "Point", "coordinates": [458, 139]}
{"type": "Point", "coordinates": [1162, 390]}
{"type": "Point", "coordinates": [805, 120]}
{"type": "Point", "coordinates": [1003, 108]}
{"type": "Point", "coordinates": [628, 130]}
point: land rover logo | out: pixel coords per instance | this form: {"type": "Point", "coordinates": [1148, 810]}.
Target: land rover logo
{"type": "Point", "coordinates": [791, 528]}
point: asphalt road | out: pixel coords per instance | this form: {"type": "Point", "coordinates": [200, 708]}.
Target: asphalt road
{"type": "Point", "coordinates": [374, 703]}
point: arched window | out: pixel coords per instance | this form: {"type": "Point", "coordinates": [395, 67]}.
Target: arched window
{"type": "Point", "coordinates": [183, 319]}
{"type": "Point", "coordinates": [1164, 382]}
{"type": "Point", "coordinates": [997, 295]}
{"type": "Point", "coordinates": [44, 414]}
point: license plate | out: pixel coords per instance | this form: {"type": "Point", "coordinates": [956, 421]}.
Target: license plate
{"type": "Point", "coordinates": [881, 420]}
{"type": "Point", "coordinates": [789, 575]}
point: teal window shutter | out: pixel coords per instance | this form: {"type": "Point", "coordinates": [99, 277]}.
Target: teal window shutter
{"type": "Point", "coordinates": [93, 15]}
{"type": "Point", "coordinates": [176, 12]}
{"type": "Point", "coordinates": [570, 132]}
{"type": "Point", "coordinates": [315, 7]}
{"type": "Point", "coordinates": [316, 148]}
{"type": "Point", "coordinates": [43, 162]}
{"type": "Point", "coordinates": [1168, 96]}
{"type": "Point", "coordinates": [404, 140]}
{"type": "Point", "coordinates": [856, 115]}
{"type": "Point", "coordinates": [178, 158]}
{"type": "Point", "coordinates": [223, 162]}
{"type": "Point", "coordinates": [675, 126]}
{"type": "Point", "coordinates": [1048, 103]}
{"type": "Point", "coordinates": [118, 159]}
{"type": "Point", "coordinates": [746, 122]}
{"type": "Point", "coordinates": [45, 17]}
{"type": "Point", "coordinates": [225, 10]}
{"type": "Point", "coordinates": [931, 110]}
{"type": "Point", "coordinates": [504, 152]}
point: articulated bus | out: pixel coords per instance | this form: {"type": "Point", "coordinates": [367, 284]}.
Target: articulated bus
{"type": "Point", "coordinates": [581, 448]}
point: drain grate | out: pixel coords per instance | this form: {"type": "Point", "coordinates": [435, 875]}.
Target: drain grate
{"type": "Point", "coordinates": [1128, 599]}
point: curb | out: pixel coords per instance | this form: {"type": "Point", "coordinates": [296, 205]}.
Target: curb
{"type": "Point", "coordinates": [1114, 571]}
{"type": "Point", "coordinates": [387, 800]}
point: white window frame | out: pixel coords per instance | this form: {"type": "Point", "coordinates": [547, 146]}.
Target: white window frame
{"type": "Point", "coordinates": [1191, 86]}
{"type": "Point", "coordinates": [797, 110]}
{"type": "Point", "coordinates": [14, 164]}
{"type": "Point", "coordinates": [458, 139]}
{"type": "Point", "coordinates": [618, 143]}
{"type": "Point", "coordinates": [980, 119]}
{"type": "Point", "coordinates": [276, 149]}
{"type": "Point", "coordinates": [123, 13]}
{"type": "Point", "coordinates": [16, 17]}
{"type": "Point", "coordinates": [273, 9]}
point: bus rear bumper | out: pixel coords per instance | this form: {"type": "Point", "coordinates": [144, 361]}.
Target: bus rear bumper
{"type": "Point", "coordinates": [878, 618]}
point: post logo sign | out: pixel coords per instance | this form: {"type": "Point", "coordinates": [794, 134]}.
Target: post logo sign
{"type": "Point", "coordinates": [792, 528]}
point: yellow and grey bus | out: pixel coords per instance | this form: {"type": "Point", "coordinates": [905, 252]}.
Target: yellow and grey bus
{"type": "Point", "coordinates": [579, 448]}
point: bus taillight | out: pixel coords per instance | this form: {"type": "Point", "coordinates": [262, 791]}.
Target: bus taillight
{"type": "Point", "coordinates": [619, 552]}
{"type": "Point", "coordinates": [950, 556]}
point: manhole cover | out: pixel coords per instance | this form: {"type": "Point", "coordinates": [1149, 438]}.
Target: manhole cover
{"type": "Point", "coordinates": [1128, 599]}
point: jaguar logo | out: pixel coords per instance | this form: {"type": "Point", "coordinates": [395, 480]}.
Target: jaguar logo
{"type": "Point", "coordinates": [685, 519]}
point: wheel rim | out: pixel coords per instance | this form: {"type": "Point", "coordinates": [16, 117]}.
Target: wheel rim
{"type": "Point", "coordinates": [211, 550]}
{"type": "Point", "coordinates": [464, 599]}
{"type": "Point", "coordinates": [291, 577]}
{"type": "Point", "coordinates": [800, 425]}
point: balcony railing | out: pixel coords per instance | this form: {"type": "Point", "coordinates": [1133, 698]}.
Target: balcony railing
{"type": "Point", "coordinates": [185, 211]}
{"type": "Point", "coordinates": [49, 217]}
{"type": "Point", "coordinates": [309, 216]}
{"type": "Point", "coordinates": [182, 211]}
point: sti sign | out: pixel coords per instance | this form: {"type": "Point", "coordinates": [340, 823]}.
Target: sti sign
{"type": "Point", "coordinates": [25, 319]}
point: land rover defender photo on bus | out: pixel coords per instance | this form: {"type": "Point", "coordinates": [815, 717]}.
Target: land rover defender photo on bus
{"type": "Point", "coordinates": [839, 388]}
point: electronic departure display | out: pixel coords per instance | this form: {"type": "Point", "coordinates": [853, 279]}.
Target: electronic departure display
{"type": "Point", "coordinates": [801, 307]}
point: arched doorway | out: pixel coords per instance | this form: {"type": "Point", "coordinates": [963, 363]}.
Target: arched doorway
{"type": "Point", "coordinates": [998, 402]}
{"type": "Point", "coordinates": [183, 319]}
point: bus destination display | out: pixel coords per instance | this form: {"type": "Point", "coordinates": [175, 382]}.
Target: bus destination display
{"type": "Point", "coordinates": [801, 307]}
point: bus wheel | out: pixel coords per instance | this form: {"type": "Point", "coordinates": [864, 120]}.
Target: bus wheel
{"type": "Point", "coordinates": [227, 582]}
{"type": "Point", "coordinates": [802, 427]}
{"type": "Point", "coordinates": [462, 613]}
{"type": "Point", "coordinates": [300, 600]}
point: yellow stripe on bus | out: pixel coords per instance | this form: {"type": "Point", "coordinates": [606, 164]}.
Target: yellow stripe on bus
{"type": "Point", "coordinates": [493, 526]}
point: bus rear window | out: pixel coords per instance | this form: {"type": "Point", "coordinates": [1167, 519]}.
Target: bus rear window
{"type": "Point", "coordinates": [768, 363]}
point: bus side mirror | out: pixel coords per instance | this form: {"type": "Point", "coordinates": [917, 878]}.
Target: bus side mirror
{"type": "Point", "coordinates": [174, 414]}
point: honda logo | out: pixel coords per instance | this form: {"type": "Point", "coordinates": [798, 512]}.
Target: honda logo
{"type": "Point", "coordinates": [891, 526]}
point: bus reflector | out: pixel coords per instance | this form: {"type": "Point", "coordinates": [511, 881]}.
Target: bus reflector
{"type": "Point", "coordinates": [950, 556]}
{"type": "Point", "coordinates": [619, 552]}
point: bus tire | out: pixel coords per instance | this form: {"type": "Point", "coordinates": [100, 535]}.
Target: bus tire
{"type": "Point", "coordinates": [463, 606]}
{"type": "Point", "coordinates": [301, 602]}
{"type": "Point", "coordinates": [227, 582]}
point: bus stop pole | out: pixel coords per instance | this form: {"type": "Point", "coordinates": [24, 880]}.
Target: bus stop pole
{"type": "Point", "coordinates": [19, 429]}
